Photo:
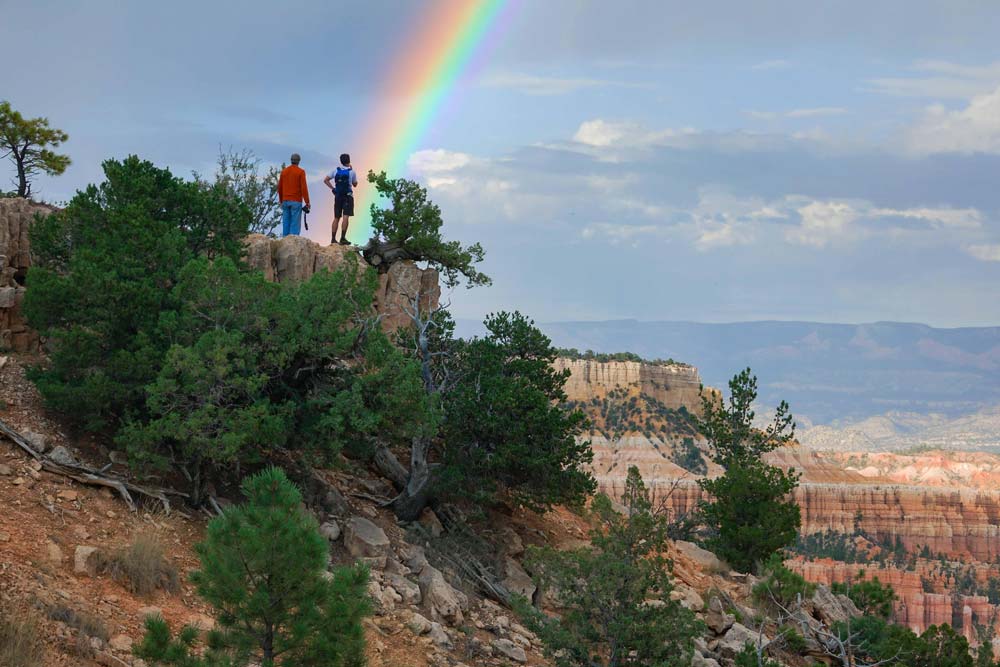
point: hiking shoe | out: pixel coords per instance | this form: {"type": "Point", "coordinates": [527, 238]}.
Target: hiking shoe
{"type": "Point", "coordinates": [344, 241]}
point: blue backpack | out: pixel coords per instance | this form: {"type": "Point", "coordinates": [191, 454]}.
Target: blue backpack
{"type": "Point", "coordinates": [342, 181]}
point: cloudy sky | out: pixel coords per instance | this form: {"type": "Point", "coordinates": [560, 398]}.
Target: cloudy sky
{"type": "Point", "coordinates": [659, 160]}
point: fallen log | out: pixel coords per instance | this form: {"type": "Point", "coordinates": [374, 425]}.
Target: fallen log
{"type": "Point", "coordinates": [91, 476]}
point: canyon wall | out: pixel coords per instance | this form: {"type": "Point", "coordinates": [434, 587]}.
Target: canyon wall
{"type": "Point", "coordinates": [961, 524]}
{"type": "Point", "coordinates": [673, 385]}
{"type": "Point", "coordinates": [915, 608]}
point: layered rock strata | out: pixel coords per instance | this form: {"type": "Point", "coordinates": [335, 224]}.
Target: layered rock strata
{"type": "Point", "coordinates": [673, 385]}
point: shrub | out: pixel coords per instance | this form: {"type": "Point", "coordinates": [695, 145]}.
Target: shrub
{"type": "Point", "coordinates": [141, 567]}
{"type": "Point", "coordinates": [21, 640]}
{"type": "Point", "coordinates": [263, 567]}
{"type": "Point", "coordinates": [87, 624]}
{"type": "Point", "coordinates": [750, 657]}
{"type": "Point", "coordinates": [781, 584]}
{"type": "Point", "coordinates": [872, 596]}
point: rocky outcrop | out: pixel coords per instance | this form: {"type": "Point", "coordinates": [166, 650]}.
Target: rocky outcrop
{"type": "Point", "coordinates": [673, 385]}
{"type": "Point", "coordinates": [295, 258]}
{"type": "Point", "coordinates": [16, 216]}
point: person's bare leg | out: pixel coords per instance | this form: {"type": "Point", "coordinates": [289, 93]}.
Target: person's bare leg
{"type": "Point", "coordinates": [343, 229]}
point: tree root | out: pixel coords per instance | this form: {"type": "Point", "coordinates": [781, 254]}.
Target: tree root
{"type": "Point", "coordinates": [91, 476]}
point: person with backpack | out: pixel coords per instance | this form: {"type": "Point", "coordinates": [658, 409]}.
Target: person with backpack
{"type": "Point", "coordinates": [292, 191]}
{"type": "Point", "coordinates": [344, 180]}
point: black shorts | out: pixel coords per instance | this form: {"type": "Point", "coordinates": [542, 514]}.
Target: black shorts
{"type": "Point", "coordinates": [343, 205]}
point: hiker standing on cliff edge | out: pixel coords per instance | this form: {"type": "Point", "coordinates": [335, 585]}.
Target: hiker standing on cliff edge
{"type": "Point", "coordinates": [344, 181]}
{"type": "Point", "coordinates": [292, 191]}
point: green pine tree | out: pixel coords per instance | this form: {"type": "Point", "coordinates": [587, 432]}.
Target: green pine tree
{"type": "Point", "coordinates": [614, 596]}
{"type": "Point", "coordinates": [749, 514]}
{"type": "Point", "coordinates": [263, 568]}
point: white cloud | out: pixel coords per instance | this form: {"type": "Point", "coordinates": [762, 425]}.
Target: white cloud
{"type": "Point", "coordinates": [964, 218]}
{"type": "Point", "coordinates": [437, 160]}
{"type": "Point", "coordinates": [824, 222]}
{"type": "Point", "coordinates": [986, 252]}
{"type": "Point", "coordinates": [601, 133]}
{"type": "Point", "coordinates": [438, 166]}
{"type": "Point", "coordinates": [940, 80]}
{"type": "Point", "coordinates": [973, 129]}
{"type": "Point", "coordinates": [531, 84]}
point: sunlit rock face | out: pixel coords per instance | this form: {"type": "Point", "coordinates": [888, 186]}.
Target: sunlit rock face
{"type": "Point", "coordinates": [296, 258]}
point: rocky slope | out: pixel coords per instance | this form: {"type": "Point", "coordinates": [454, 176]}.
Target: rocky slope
{"type": "Point", "coordinates": [426, 614]}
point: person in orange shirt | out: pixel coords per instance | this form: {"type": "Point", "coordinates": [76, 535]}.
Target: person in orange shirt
{"type": "Point", "coordinates": [292, 192]}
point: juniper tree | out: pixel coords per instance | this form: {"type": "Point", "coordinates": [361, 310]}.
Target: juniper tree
{"type": "Point", "coordinates": [263, 570]}
{"type": "Point", "coordinates": [410, 228]}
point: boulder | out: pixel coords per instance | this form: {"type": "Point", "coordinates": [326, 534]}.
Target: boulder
{"type": "Point", "coordinates": [86, 560]}
{"type": "Point", "coordinates": [439, 636]}
{"type": "Point", "coordinates": [430, 522]}
{"type": "Point", "coordinates": [830, 608]}
{"type": "Point", "coordinates": [330, 530]}
{"type": "Point", "coordinates": [443, 601]}
{"type": "Point", "coordinates": [716, 617]}
{"type": "Point", "coordinates": [705, 559]}
{"type": "Point", "coordinates": [6, 470]}
{"type": "Point", "coordinates": [62, 456]}
{"type": "Point", "coordinates": [735, 639]}
{"type": "Point", "coordinates": [364, 539]}
{"type": "Point", "coordinates": [408, 591]}
{"type": "Point", "coordinates": [417, 624]}
{"type": "Point", "coordinates": [517, 580]}
{"type": "Point", "coordinates": [508, 648]}
{"type": "Point", "coordinates": [121, 643]}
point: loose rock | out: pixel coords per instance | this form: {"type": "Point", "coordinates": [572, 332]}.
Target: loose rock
{"type": "Point", "coordinates": [510, 649]}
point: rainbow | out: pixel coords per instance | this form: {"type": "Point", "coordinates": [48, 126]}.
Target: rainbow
{"type": "Point", "coordinates": [420, 80]}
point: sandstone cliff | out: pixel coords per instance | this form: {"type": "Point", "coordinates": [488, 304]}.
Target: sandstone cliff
{"type": "Point", "coordinates": [674, 385]}
{"type": "Point", "coordinates": [16, 216]}
{"type": "Point", "coordinates": [296, 258]}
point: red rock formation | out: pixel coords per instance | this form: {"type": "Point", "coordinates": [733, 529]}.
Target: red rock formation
{"type": "Point", "coordinates": [915, 608]}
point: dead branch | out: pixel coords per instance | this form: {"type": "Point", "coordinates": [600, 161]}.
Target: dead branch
{"type": "Point", "coordinates": [91, 476]}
